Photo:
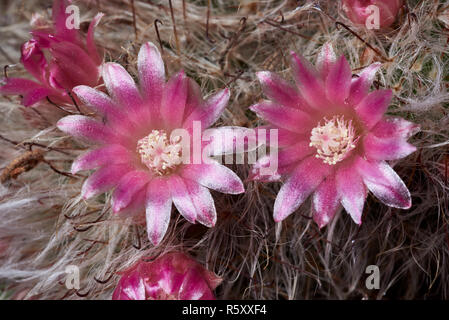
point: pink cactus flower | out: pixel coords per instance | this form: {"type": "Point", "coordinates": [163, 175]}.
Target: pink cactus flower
{"type": "Point", "coordinates": [334, 139]}
{"type": "Point", "coordinates": [174, 276]}
{"type": "Point", "coordinates": [70, 63]}
{"type": "Point", "coordinates": [139, 156]}
{"type": "Point", "coordinates": [358, 11]}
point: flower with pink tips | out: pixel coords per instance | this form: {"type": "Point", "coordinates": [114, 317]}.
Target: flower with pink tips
{"type": "Point", "coordinates": [359, 11]}
{"type": "Point", "coordinates": [138, 155]}
{"type": "Point", "coordinates": [173, 276]}
{"type": "Point", "coordinates": [334, 139]}
{"type": "Point", "coordinates": [71, 61]}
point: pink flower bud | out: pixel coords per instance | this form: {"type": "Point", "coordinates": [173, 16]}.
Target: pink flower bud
{"type": "Point", "coordinates": [374, 14]}
{"type": "Point", "coordinates": [57, 57]}
{"type": "Point", "coordinates": [173, 276]}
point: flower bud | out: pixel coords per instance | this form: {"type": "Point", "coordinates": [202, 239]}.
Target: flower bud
{"type": "Point", "coordinates": [173, 276]}
{"type": "Point", "coordinates": [373, 14]}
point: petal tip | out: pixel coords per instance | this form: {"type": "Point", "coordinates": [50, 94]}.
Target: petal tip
{"type": "Point", "coordinates": [98, 17]}
{"type": "Point", "coordinates": [357, 220]}
{"type": "Point", "coordinates": [262, 75]}
{"type": "Point", "coordinates": [279, 216]}
{"type": "Point", "coordinates": [321, 225]}
{"type": "Point", "coordinates": [61, 124]}
{"type": "Point", "coordinates": [87, 192]}
{"type": "Point", "coordinates": [407, 204]}
{"type": "Point", "coordinates": [116, 208]}
{"type": "Point", "coordinates": [226, 93]}
{"type": "Point", "coordinates": [78, 89]}
{"type": "Point", "coordinates": [238, 187]}
{"type": "Point", "coordinates": [209, 224]}
{"type": "Point", "coordinates": [155, 239]}
{"type": "Point", "coordinates": [253, 108]}
{"type": "Point", "coordinates": [86, 195]}
{"type": "Point", "coordinates": [75, 168]}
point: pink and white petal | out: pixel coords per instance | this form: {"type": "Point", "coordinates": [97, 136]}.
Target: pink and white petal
{"type": "Point", "coordinates": [193, 201]}
{"type": "Point", "coordinates": [386, 148]}
{"type": "Point", "coordinates": [371, 109]}
{"type": "Point", "coordinates": [338, 81]}
{"type": "Point", "coordinates": [214, 176]}
{"type": "Point", "coordinates": [181, 198]}
{"type": "Point", "coordinates": [325, 202]}
{"type": "Point", "coordinates": [136, 207]}
{"type": "Point", "coordinates": [121, 86]}
{"type": "Point", "coordinates": [305, 178]}
{"type": "Point", "coordinates": [360, 86]}
{"type": "Point", "coordinates": [110, 154]}
{"type": "Point", "coordinates": [128, 186]}
{"type": "Point", "coordinates": [229, 140]}
{"type": "Point", "coordinates": [174, 100]}
{"type": "Point", "coordinates": [351, 191]}
{"type": "Point", "coordinates": [151, 73]}
{"type": "Point", "coordinates": [104, 179]}
{"type": "Point", "coordinates": [390, 127]}
{"type": "Point", "coordinates": [310, 84]}
{"type": "Point", "coordinates": [87, 128]}
{"type": "Point", "coordinates": [288, 118]}
{"type": "Point", "coordinates": [194, 98]}
{"type": "Point", "coordinates": [112, 115]}
{"type": "Point", "coordinates": [278, 90]}
{"type": "Point", "coordinates": [99, 102]}
{"type": "Point", "coordinates": [194, 287]}
{"type": "Point", "coordinates": [214, 107]}
{"type": "Point", "coordinates": [326, 58]}
{"type": "Point", "coordinates": [211, 112]}
{"type": "Point", "coordinates": [158, 210]}
{"type": "Point", "coordinates": [203, 202]}
{"type": "Point", "coordinates": [384, 183]}
{"type": "Point", "coordinates": [92, 49]}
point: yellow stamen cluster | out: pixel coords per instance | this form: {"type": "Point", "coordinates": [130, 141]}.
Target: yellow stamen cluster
{"type": "Point", "coordinates": [333, 140]}
{"type": "Point", "coordinates": [158, 153]}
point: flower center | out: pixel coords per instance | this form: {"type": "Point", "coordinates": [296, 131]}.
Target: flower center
{"type": "Point", "coordinates": [334, 139]}
{"type": "Point", "coordinates": [160, 154]}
